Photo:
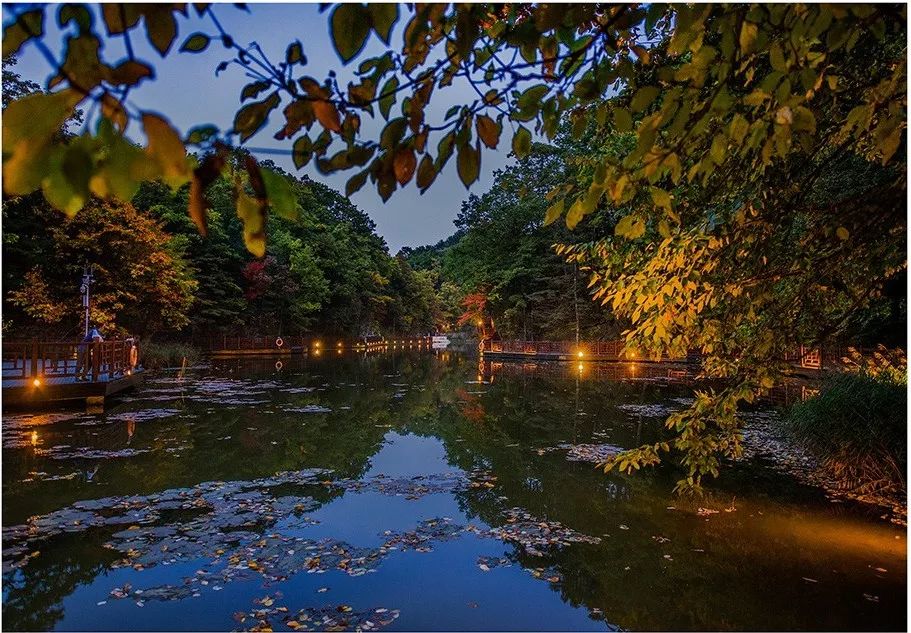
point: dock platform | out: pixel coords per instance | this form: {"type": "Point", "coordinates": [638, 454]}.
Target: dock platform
{"type": "Point", "coordinates": [37, 374]}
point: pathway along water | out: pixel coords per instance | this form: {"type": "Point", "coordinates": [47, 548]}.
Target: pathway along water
{"type": "Point", "coordinates": [402, 492]}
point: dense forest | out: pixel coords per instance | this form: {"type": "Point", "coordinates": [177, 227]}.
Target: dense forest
{"type": "Point", "coordinates": [325, 271]}
{"type": "Point", "coordinates": [500, 263]}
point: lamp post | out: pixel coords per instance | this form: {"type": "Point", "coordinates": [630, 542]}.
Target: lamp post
{"type": "Point", "coordinates": [85, 289]}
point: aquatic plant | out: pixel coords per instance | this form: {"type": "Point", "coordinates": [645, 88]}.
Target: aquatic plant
{"type": "Point", "coordinates": [161, 355]}
{"type": "Point", "coordinates": [857, 424]}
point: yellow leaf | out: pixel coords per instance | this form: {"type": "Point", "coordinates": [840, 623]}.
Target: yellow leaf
{"type": "Point", "coordinates": [842, 233]}
{"type": "Point", "coordinates": [166, 149]}
{"type": "Point", "coordinates": [254, 218]}
{"type": "Point", "coordinates": [554, 211]}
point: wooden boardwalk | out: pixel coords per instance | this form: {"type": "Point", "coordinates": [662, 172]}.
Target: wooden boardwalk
{"type": "Point", "coordinates": [237, 346]}
{"type": "Point", "coordinates": [37, 373]}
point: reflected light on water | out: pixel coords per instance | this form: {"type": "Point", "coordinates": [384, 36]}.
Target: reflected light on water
{"type": "Point", "coordinates": [828, 533]}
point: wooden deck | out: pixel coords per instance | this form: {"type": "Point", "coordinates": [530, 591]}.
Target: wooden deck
{"type": "Point", "coordinates": [39, 373]}
{"type": "Point", "coordinates": [21, 392]}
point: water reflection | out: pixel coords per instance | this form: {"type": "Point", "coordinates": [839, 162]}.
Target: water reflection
{"type": "Point", "coordinates": [430, 459]}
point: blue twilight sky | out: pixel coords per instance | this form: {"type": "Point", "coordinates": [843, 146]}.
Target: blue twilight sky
{"type": "Point", "coordinates": [188, 92]}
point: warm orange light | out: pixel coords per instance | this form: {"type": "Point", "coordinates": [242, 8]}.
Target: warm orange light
{"type": "Point", "coordinates": [580, 354]}
{"type": "Point", "coordinates": [339, 344]}
{"type": "Point", "coordinates": [316, 352]}
{"type": "Point", "coordinates": [36, 382]}
{"type": "Point", "coordinates": [480, 322]}
{"type": "Point", "coordinates": [581, 367]}
{"type": "Point", "coordinates": [316, 343]}
{"type": "Point", "coordinates": [34, 438]}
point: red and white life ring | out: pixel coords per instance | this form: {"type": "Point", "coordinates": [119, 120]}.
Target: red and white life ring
{"type": "Point", "coordinates": [279, 342]}
{"type": "Point", "coordinates": [134, 356]}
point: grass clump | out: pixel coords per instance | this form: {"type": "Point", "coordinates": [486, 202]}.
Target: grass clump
{"type": "Point", "coordinates": [164, 355]}
{"type": "Point", "coordinates": [857, 425]}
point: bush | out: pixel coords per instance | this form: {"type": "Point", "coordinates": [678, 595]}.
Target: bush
{"type": "Point", "coordinates": [162, 355]}
{"type": "Point", "coordinates": [857, 426]}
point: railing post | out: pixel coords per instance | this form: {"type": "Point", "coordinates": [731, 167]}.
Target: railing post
{"type": "Point", "coordinates": [96, 360]}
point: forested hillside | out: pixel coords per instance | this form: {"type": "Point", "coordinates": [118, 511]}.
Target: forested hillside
{"type": "Point", "coordinates": [325, 270]}
{"type": "Point", "coordinates": [502, 257]}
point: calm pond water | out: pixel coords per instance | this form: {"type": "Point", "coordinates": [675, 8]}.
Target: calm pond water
{"type": "Point", "coordinates": [414, 491]}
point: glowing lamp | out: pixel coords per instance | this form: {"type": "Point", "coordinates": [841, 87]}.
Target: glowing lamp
{"type": "Point", "coordinates": [580, 354]}
{"type": "Point", "coordinates": [36, 382]}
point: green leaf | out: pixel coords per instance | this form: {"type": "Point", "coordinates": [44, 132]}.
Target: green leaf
{"type": "Point", "coordinates": [295, 54]}
{"type": "Point", "coordinates": [521, 142]}
{"type": "Point", "coordinates": [27, 25]}
{"type": "Point", "coordinates": [384, 16]}
{"type": "Point", "coordinates": [160, 26]}
{"type": "Point", "coordinates": [37, 117]}
{"type": "Point", "coordinates": [748, 33]}
{"type": "Point", "coordinates": [643, 98]}
{"type": "Point", "coordinates": [719, 148]}
{"type": "Point", "coordinates": [388, 96]}
{"type": "Point", "coordinates": [575, 214]}
{"type": "Point", "coordinates": [350, 26]}
{"type": "Point", "coordinates": [739, 128]}
{"type": "Point", "coordinates": [302, 151]}
{"type": "Point", "coordinates": [66, 186]}
{"type": "Point", "coordinates": [196, 43]}
{"type": "Point", "coordinates": [356, 182]}
{"type": "Point", "coordinates": [393, 133]}
{"type": "Point", "coordinates": [468, 164]}
{"type": "Point", "coordinates": [252, 90]}
{"type": "Point", "coordinates": [776, 58]}
{"type": "Point", "coordinates": [281, 196]}
{"type": "Point", "coordinates": [554, 211]}
{"type": "Point", "coordinates": [251, 118]}
{"type": "Point", "coordinates": [130, 73]}
{"type": "Point", "coordinates": [661, 198]}
{"type": "Point", "coordinates": [623, 120]}
{"type": "Point", "coordinates": [75, 13]}
{"type": "Point", "coordinates": [427, 173]}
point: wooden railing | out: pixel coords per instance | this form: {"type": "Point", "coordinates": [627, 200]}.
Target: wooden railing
{"type": "Point", "coordinates": [277, 343]}
{"type": "Point", "coordinates": [600, 350]}
{"type": "Point", "coordinates": [828, 357]}
{"type": "Point", "coordinates": [287, 343]}
{"type": "Point", "coordinates": [100, 361]}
